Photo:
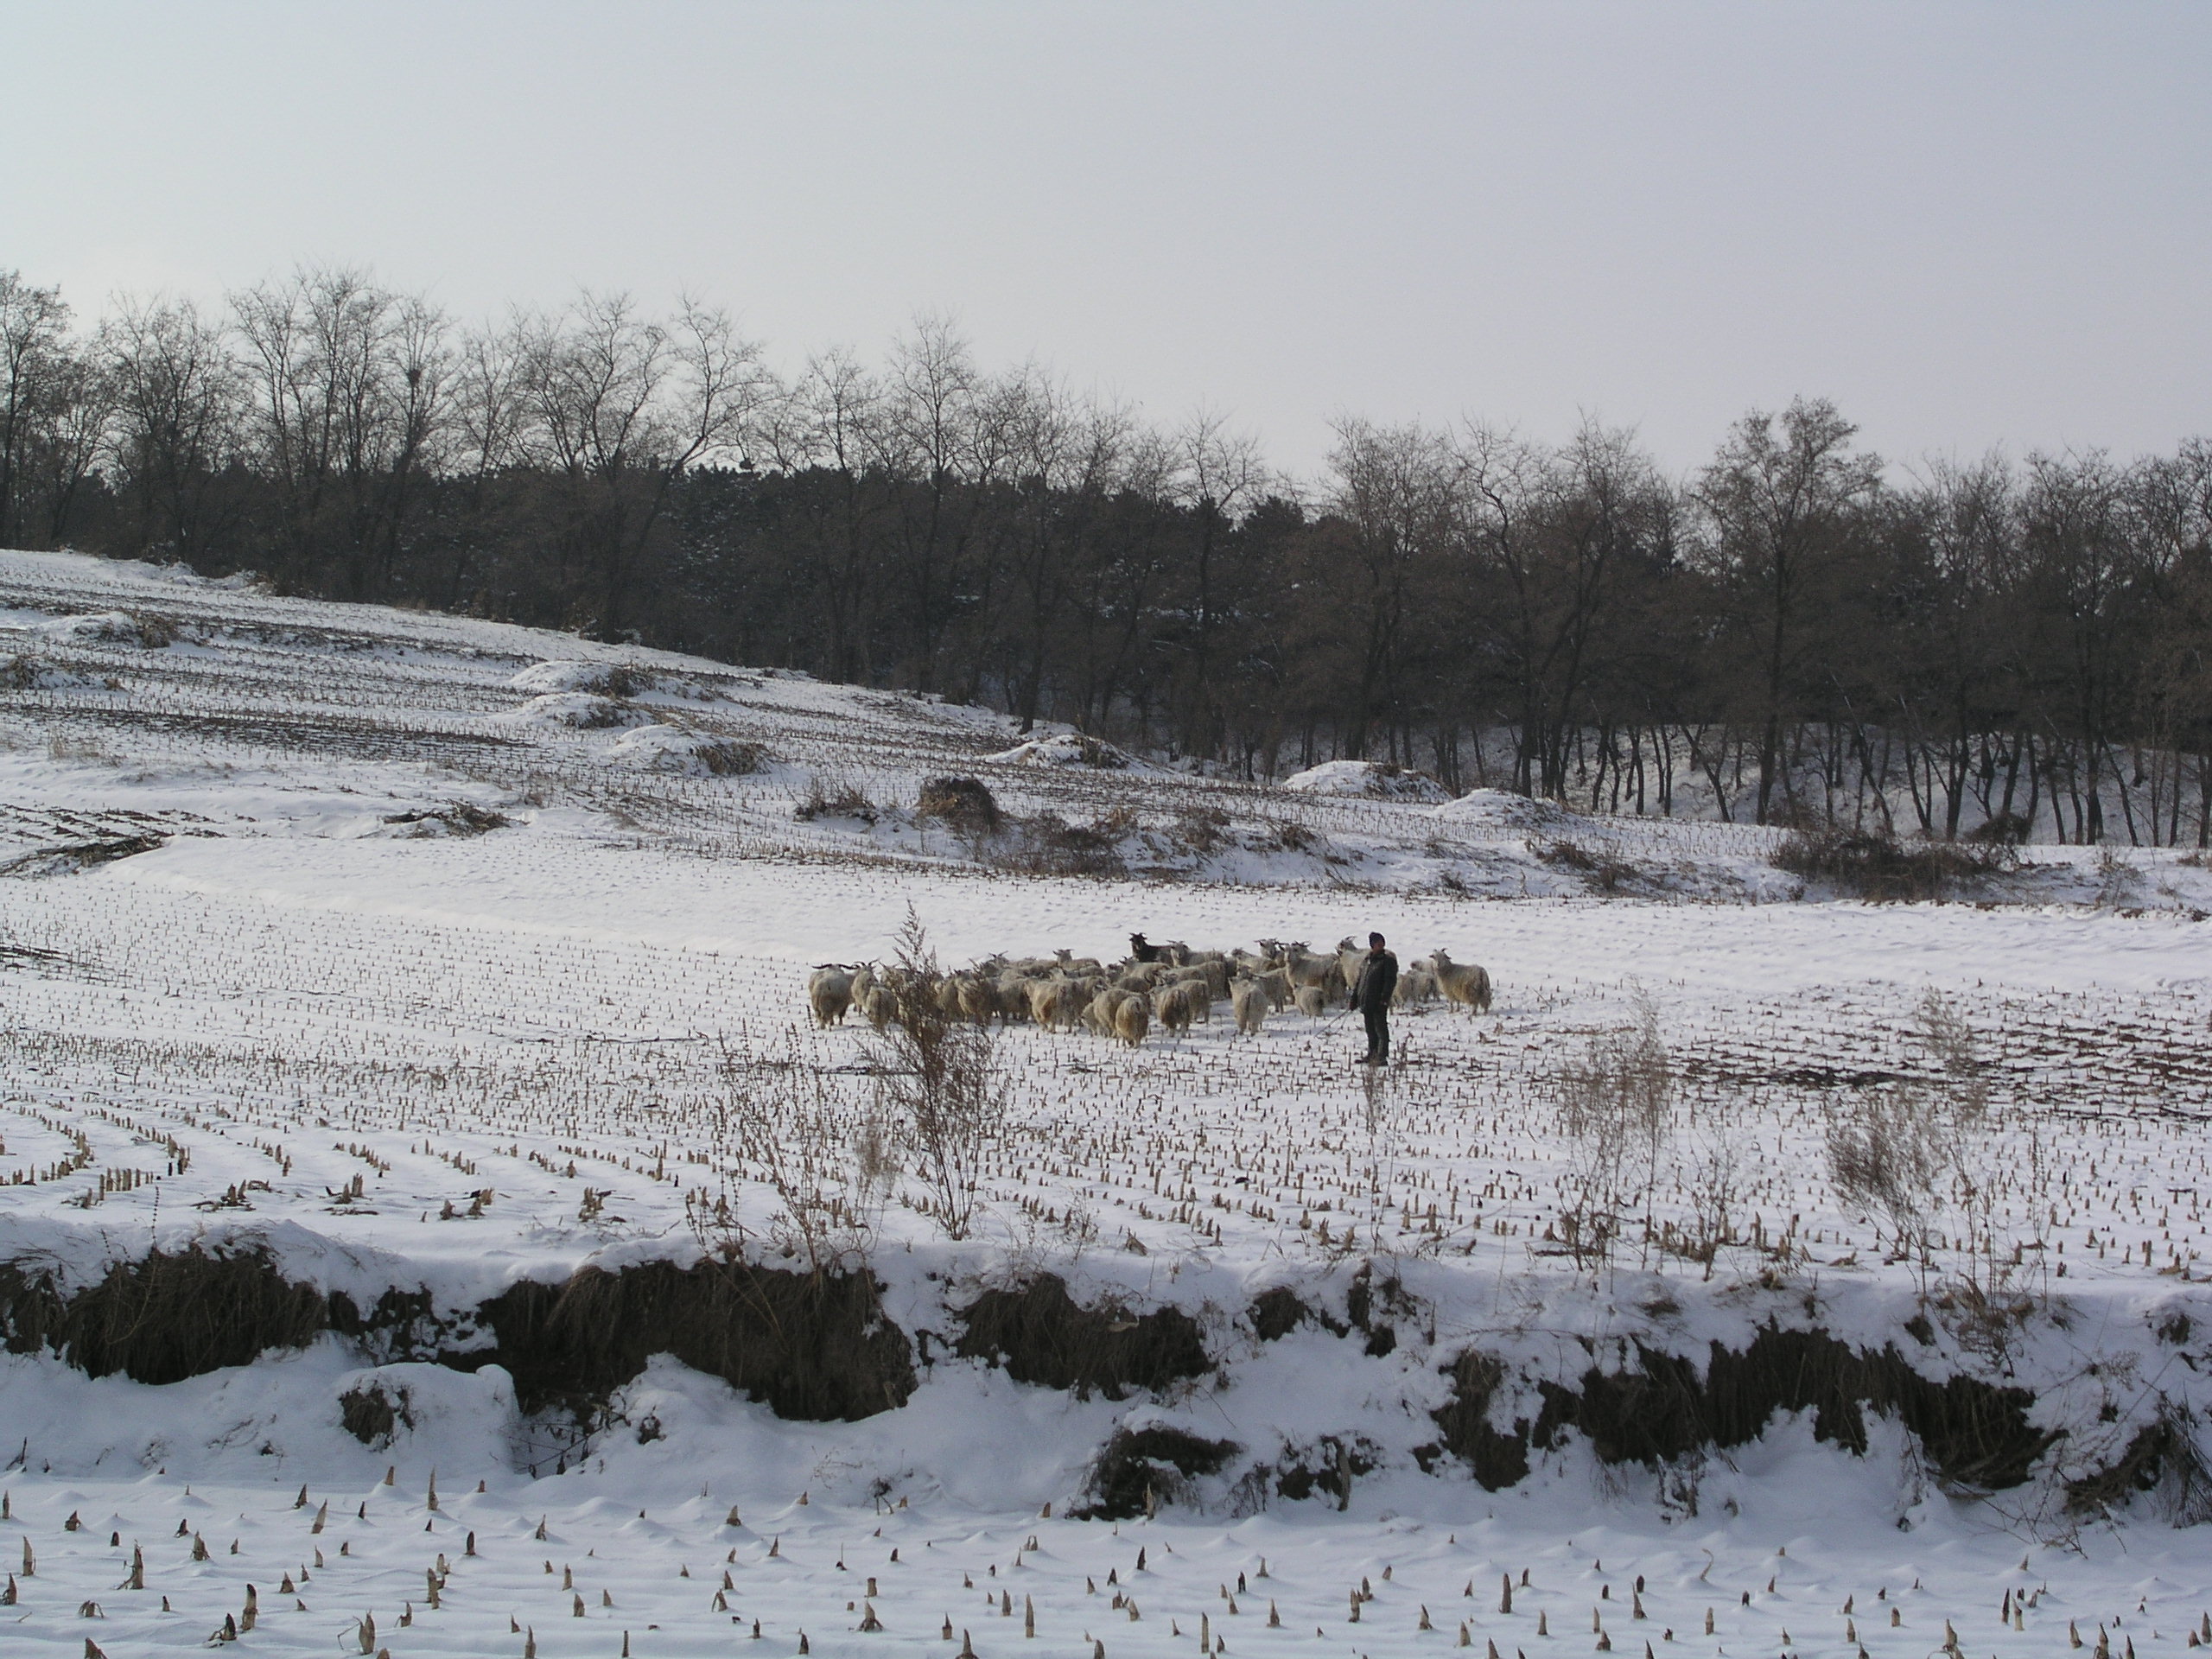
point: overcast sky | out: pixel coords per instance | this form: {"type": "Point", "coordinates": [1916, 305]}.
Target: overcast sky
{"type": "Point", "coordinates": [1972, 226]}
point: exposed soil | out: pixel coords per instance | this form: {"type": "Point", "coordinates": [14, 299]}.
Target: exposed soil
{"type": "Point", "coordinates": [1044, 1337]}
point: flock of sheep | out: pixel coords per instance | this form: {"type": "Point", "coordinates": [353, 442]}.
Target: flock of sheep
{"type": "Point", "coordinates": [1169, 985]}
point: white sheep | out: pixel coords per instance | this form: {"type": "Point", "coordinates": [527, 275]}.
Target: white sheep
{"type": "Point", "coordinates": [829, 991]}
{"type": "Point", "coordinates": [1416, 986]}
{"type": "Point", "coordinates": [1312, 1000]}
{"type": "Point", "coordinates": [1013, 995]}
{"type": "Point", "coordinates": [1275, 984]}
{"type": "Point", "coordinates": [1098, 1013]}
{"type": "Point", "coordinates": [1132, 1020]}
{"type": "Point", "coordinates": [881, 1005]}
{"type": "Point", "coordinates": [1057, 1004]}
{"type": "Point", "coordinates": [1466, 983]}
{"type": "Point", "coordinates": [1350, 958]}
{"type": "Point", "coordinates": [979, 1001]}
{"type": "Point", "coordinates": [1176, 1006]}
{"type": "Point", "coordinates": [1214, 970]}
{"type": "Point", "coordinates": [1250, 1003]}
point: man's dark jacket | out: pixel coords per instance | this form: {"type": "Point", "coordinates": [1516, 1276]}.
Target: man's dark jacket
{"type": "Point", "coordinates": [1378, 977]}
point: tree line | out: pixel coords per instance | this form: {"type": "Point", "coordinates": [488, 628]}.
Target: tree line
{"type": "Point", "coordinates": [1791, 632]}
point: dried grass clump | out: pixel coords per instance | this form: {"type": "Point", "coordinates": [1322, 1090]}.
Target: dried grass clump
{"type": "Point", "coordinates": [1875, 864]}
{"type": "Point", "coordinates": [830, 796]}
{"type": "Point", "coordinates": [1604, 873]}
{"type": "Point", "coordinates": [373, 1417]}
{"type": "Point", "coordinates": [1201, 830]}
{"type": "Point", "coordinates": [2163, 1465]}
{"type": "Point", "coordinates": [1277, 1312]}
{"type": "Point", "coordinates": [1615, 1116]}
{"type": "Point", "coordinates": [72, 857]}
{"type": "Point", "coordinates": [730, 757]}
{"type": "Point", "coordinates": [454, 818]}
{"type": "Point", "coordinates": [964, 804]}
{"type": "Point", "coordinates": [829, 1168]}
{"type": "Point", "coordinates": [1140, 1468]}
{"type": "Point", "coordinates": [1498, 1459]}
{"type": "Point", "coordinates": [1905, 1152]}
{"type": "Point", "coordinates": [1049, 845]}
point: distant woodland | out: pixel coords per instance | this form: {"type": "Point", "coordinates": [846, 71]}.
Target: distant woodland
{"type": "Point", "coordinates": [1794, 632]}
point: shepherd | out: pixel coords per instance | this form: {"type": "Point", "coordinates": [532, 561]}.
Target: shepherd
{"type": "Point", "coordinates": [1371, 995]}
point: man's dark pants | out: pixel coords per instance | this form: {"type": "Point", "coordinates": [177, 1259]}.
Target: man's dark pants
{"type": "Point", "coordinates": [1378, 1032]}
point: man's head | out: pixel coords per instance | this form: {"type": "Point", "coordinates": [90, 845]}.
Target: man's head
{"type": "Point", "coordinates": [1374, 941]}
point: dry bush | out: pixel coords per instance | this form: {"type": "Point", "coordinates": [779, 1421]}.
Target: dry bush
{"type": "Point", "coordinates": [966, 805]}
{"type": "Point", "coordinates": [1139, 1470]}
{"type": "Point", "coordinates": [454, 818]}
{"type": "Point", "coordinates": [1874, 864]}
{"type": "Point", "coordinates": [1093, 751]}
{"type": "Point", "coordinates": [827, 795]}
{"type": "Point", "coordinates": [1903, 1153]}
{"type": "Point", "coordinates": [373, 1417]}
{"type": "Point", "coordinates": [1606, 874]}
{"type": "Point", "coordinates": [1204, 829]}
{"type": "Point", "coordinates": [69, 857]}
{"type": "Point", "coordinates": [1886, 1155]}
{"type": "Point", "coordinates": [2008, 827]}
{"type": "Point", "coordinates": [938, 1077]}
{"type": "Point", "coordinates": [1711, 1169]}
{"type": "Point", "coordinates": [1048, 845]}
{"type": "Point", "coordinates": [2118, 879]}
{"type": "Point", "coordinates": [165, 1317]}
{"type": "Point", "coordinates": [730, 757]}
{"type": "Point", "coordinates": [1042, 1335]}
{"type": "Point", "coordinates": [1615, 1114]}
{"type": "Point", "coordinates": [786, 1122]}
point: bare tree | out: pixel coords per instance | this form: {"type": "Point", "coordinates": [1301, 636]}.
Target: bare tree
{"type": "Point", "coordinates": [1218, 474]}
{"type": "Point", "coordinates": [178, 402]}
{"type": "Point", "coordinates": [622, 407]}
{"type": "Point", "coordinates": [348, 396]}
{"type": "Point", "coordinates": [56, 398]}
{"type": "Point", "coordinates": [940, 440]}
{"type": "Point", "coordinates": [34, 356]}
{"type": "Point", "coordinates": [1784, 496]}
{"type": "Point", "coordinates": [1392, 495]}
{"type": "Point", "coordinates": [823, 424]}
{"type": "Point", "coordinates": [489, 410]}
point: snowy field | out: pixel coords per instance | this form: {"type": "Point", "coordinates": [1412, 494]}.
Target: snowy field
{"type": "Point", "coordinates": [426, 954]}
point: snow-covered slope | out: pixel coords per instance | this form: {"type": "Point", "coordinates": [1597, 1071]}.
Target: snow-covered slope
{"type": "Point", "coordinates": [412, 953]}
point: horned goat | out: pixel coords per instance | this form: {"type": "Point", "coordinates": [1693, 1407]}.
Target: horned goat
{"type": "Point", "coordinates": [1466, 983]}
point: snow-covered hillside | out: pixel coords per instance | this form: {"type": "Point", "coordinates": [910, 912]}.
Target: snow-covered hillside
{"type": "Point", "coordinates": [416, 959]}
